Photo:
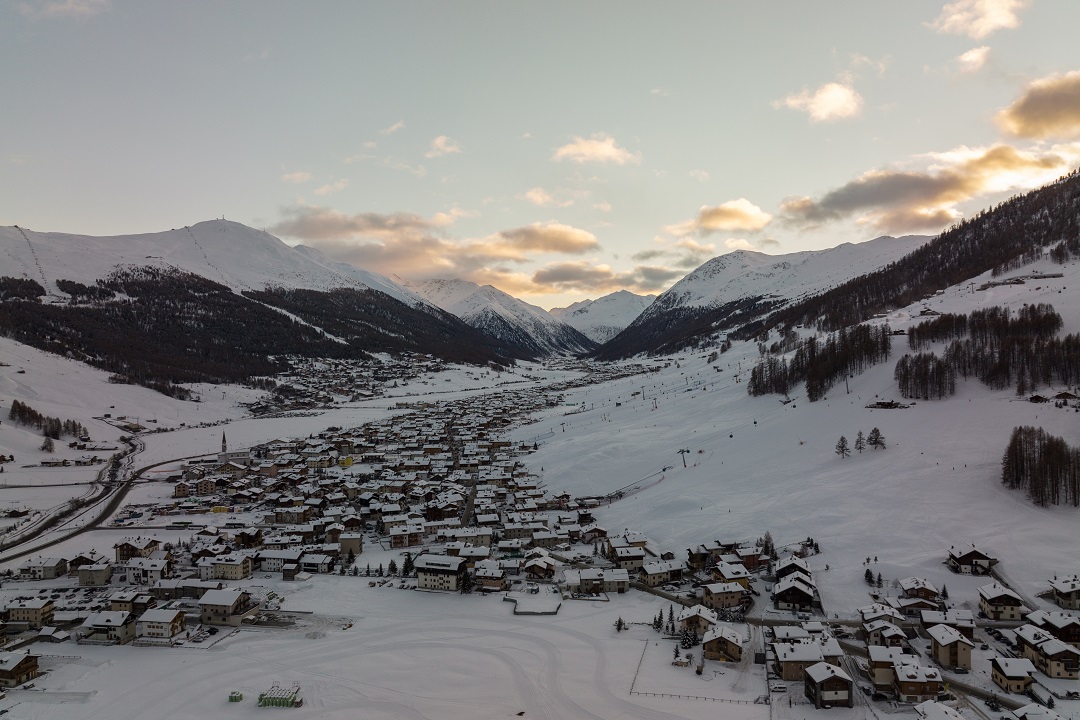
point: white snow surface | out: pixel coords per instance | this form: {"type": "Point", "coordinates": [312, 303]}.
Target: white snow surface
{"type": "Point", "coordinates": [748, 274]}
{"type": "Point", "coordinates": [754, 465]}
{"type": "Point", "coordinates": [607, 316]}
{"type": "Point", "coordinates": [233, 254]}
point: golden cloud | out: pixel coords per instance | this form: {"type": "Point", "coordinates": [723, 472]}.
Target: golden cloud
{"type": "Point", "coordinates": [599, 148]}
{"type": "Point", "coordinates": [905, 201]}
{"type": "Point", "coordinates": [978, 18]}
{"type": "Point", "coordinates": [442, 145]}
{"type": "Point", "coordinates": [733, 215]}
{"type": "Point", "coordinates": [832, 101]}
{"type": "Point", "coordinates": [1049, 107]}
{"type": "Point", "coordinates": [974, 59]}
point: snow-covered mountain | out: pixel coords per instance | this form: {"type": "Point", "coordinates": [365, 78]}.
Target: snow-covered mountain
{"type": "Point", "coordinates": [604, 318]}
{"type": "Point", "coordinates": [743, 285]}
{"type": "Point", "coordinates": [502, 316]}
{"type": "Point", "coordinates": [237, 256]}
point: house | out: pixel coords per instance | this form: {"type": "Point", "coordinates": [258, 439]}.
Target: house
{"type": "Point", "coordinates": [949, 648]}
{"type": "Point", "coordinates": [1013, 675]}
{"type": "Point", "coordinates": [439, 572]}
{"type": "Point", "coordinates": [351, 542]}
{"type": "Point", "coordinates": [881, 663]}
{"type": "Point", "coordinates": [792, 659]}
{"type": "Point", "coordinates": [697, 619]}
{"type": "Point", "coordinates": [884, 633]}
{"type": "Point", "coordinates": [94, 575]}
{"type": "Point", "coordinates": [660, 572]}
{"type": "Point", "coordinates": [914, 683]}
{"type": "Point", "coordinates": [827, 686]}
{"type": "Point", "coordinates": [722, 595]}
{"type": "Point", "coordinates": [226, 607]}
{"type": "Point", "coordinates": [1066, 592]}
{"type": "Point", "coordinates": [147, 571]}
{"type": "Point", "coordinates": [1061, 625]}
{"type": "Point", "coordinates": [731, 573]}
{"type": "Point", "coordinates": [998, 602]}
{"type": "Point", "coordinates": [911, 606]}
{"type": "Point", "coordinates": [792, 564]}
{"type": "Point", "coordinates": [108, 627]}
{"type": "Point", "coordinates": [933, 710]}
{"type": "Point", "coordinates": [960, 620]}
{"type": "Point", "coordinates": [132, 548]}
{"type": "Point", "coordinates": [630, 557]}
{"type": "Point", "coordinates": [317, 563]}
{"type": "Point", "coordinates": [35, 613]}
{"type": "Point", "coordinates": [131, 601]}
{"type": "Point", "coordinates": [969, 561]}
{"type": "Point", "coordinates": [921, 588]}
{"type": "Point", "coordinates": [17, 668]}
{"type": "Point", "coordinates": [594, 580]}
{"type": "Point", "coordinates": [1035, 711]}
{"type": "Point", "coordinates": [274, 560]}
{"type": "Point", "coordinates": [794, 592]}
{"type": "Point", "coordinates": [1053, 657]}
{"type": "Point", "coordinates": [161, 625]}
{"type": "Point", "coordinates": [43, 569]}
{"type": "Point", "coordinates": [490, 576]}
{"type": "Point", "coordinates": [722, 642]}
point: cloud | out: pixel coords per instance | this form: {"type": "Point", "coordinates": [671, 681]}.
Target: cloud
{"type": "Point", "coordinates": [50, 9]}
{"type": "Point", "coordinates": [832, 101]}
{"type": "Point", "coordinates": [398, 164]}
{"type": "Point", "coordinates": [974, 59]}
{"type": "Point", "coordinates": [542, 198]}
{"type": "Point", "coordinates": [400, 124]}
{"type": "Point", "coordinates": [296, 177]}
{"type": "Point", "coordinates": [599, 148]}
{"type": "Point", "coordinates": [978, 18]}
{"type": "Point", "coordinates": [589, 277]}
{"type": "Point", "coordinates": [740, 214]}
{"type": "Point", "coordinates": [414, 246]}
{"type": "Point", "coordinates": [332, 187]}
{"type": "Point", "coordinates": [659, 92]}
{"type": "Point", "coordinates": [700, 175]}
{"type": "Point", "coordinates": [1049, 107]}
{"type": "Point", "coordinates": [442, 145]}
{"type": "Point", "coordinates": [926, 200]}
{"type": "Point", "coordinates": [602, 206]}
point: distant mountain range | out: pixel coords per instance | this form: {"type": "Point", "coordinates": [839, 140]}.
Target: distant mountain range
{"type": "Point", "coordinates": [514, 322]}
{"type": "Point", "coordinates": [219, 301]}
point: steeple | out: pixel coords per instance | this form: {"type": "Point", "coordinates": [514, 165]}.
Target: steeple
{"type": "Point", "coordinates": [224, 445]}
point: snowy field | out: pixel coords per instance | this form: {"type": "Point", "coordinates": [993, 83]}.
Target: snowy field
{"type": "Point", "coordinates": [754, 464]}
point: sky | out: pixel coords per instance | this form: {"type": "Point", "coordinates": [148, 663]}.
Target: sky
{"type": "Point", "coordinates": [556, 150]}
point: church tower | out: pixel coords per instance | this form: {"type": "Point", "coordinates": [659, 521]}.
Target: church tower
{"type": "Point", "coordinates": [224, 445]}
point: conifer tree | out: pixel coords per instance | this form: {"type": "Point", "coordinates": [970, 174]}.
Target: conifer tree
{"type": "Point", "coordinates": [860, 442]}
{"type": "Point", "coordinates": [842, 448]}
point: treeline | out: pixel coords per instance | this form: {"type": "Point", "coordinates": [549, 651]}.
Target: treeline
{"type": "Point", "coordinates": [1042, 465]}
{"type": "Point", "coordinates": [997, 347]}
{"type": "Point", "coordinates": [78, 291]}
{"type": "Point", "coordinates": [51, 427]}
{"type": "Point", "coordinates": [822, 364]}
{"type": "Point", "coordinates": [925, 376]}
{"type": "Point", "coordinates": [12, 288]}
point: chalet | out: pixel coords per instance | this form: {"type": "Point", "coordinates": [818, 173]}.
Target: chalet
{"type": "Point", "coordinates": [722, 642]}
{"type": "Point", "coordinates": [17, 668]}
{"type": "Point", "coordinates": [541, 567]}
{"type": "Point", "coordinates": [795, 592]}
{"type": "Point", "coordinates": [226, 607]}
{"type": "Point", "coordinates": [878, 611]}
{"type": "Point", "coordinates": [1067, 592]}
{"type": "Point", "coordinates": [351, 542]}
{"type": "Point", "coordinates": [828, 686]}
{"type": "Point", "coordinates": [911, 606]}
{"type": "Point", "coordinates": [792, 659]}
{"type": "Point", "coordinates": [131, 601]}
{"type": "Point", "coordinates": [594, 580]}
{"type": "Point", "coordinates": [660, 572]}
{"type": "Point", "coordinates": [95, 575]}
{"type": "Point", "coordinates": [274, 560]}
{"type": "Point", "coordinates": [160, 625]}
{"type": "Point", "coordinates": [225, 567]}
{"type": "Point", "coordinates": [884, 633]}
{"type": "Point", "coordinates": [182, 489]}
{"type": "Point", "coordinates": [1035, 711]}
{"type": "Point", "coordinates": [914, 683]}
{"type": "Point", "coordinates": [969, 561]}
{"type": "Point", "coordinates": [108, 627]}
{"type": "Point", "coordinates": [731, 572]}
{"type": "Point", "coordinates": [1061, 625]}
{"type": "Point", "coordinates": [920, 588]}
{"type": "Point", "coordinates": [132, 548]}
{"type": "Point", "coordinates": [998, 602]}
{"type": "Point", "coordinates": [697, 619]}
{"type": "Point", "coordinates": [790, 565]}
{"type": "Point", "coordinates": [35, 613]}
{"type": "Point", "coordinates": [933, 710]}
{"type": "Point", "coordinates": [1013, 675]}
{"type": "Point", "coordinates": [1053, 657]}
{"type": "Point", "coordinates": [949, 648]}
{"type": "Point", "coordinates": [963, 621]}
{"type": "Point", "coordinates": [248, 537]}
{"type": "Point", "coordinates": [147, 571]}
{"type": "Point", "coordinates": [630, 557]}
{"type": "Point", "coordinates": [43, 569]}
{"type": "Point", "coordinates": [882, 661]}
{"type": "Point", "coordinates": [409, 534]}
{"type": "Point", "coordinates": [490, 576]}
{"type": "Point", "coordinates": [317, 563]}
{"type": "Point", "coordinates": [750, 557]}
{"type": "Point", "coordinates": [790, 633]}
{"type": "Point", "coordinates": [439, 572]}
{"type": "Point", "coordinates": [722, 595]}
